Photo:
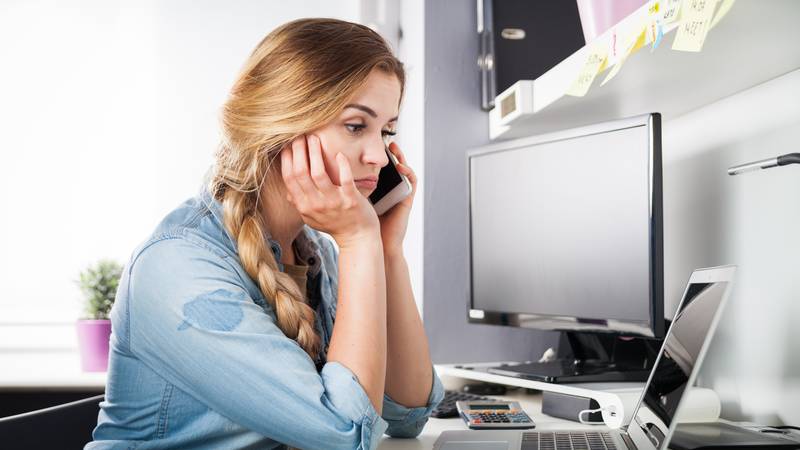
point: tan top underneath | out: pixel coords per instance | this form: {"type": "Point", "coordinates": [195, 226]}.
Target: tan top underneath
{"type": "Point", "coordinates": [299, 274]}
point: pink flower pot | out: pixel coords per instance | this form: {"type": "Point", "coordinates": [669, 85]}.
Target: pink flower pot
{"type": "Point", "coordinates": [597, 16]}
{"type": "Point", "coordinates": [93, 336]}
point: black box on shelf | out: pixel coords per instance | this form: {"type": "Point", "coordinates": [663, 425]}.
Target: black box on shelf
{"type": "Point", "coordinates": [565, 406]}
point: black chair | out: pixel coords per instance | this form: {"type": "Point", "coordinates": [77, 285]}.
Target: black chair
{"type": "Point", "coordinates": [68, 426]}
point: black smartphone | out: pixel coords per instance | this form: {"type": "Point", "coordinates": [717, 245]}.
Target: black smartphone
{"type": "Point", "coordinates": [392, 187]}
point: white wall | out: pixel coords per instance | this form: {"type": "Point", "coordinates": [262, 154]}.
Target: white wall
{"type": "Point", "coordinates": [751, 220]}
{"type": "Point", "coordinates": [108, 120]}
{"type": "Point", "coordinates": [411, 127]}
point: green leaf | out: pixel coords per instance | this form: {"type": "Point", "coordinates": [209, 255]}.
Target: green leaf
{"type": "Point", "coordinates": [99, 284]}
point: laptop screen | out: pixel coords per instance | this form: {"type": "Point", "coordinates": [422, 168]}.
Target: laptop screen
{"type": "Point", "coordinates": [680, 354]}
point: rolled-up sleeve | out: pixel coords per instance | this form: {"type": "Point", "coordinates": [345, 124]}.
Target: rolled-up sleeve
{"type": "Point", "coordinates": [193, 322]}
{"type": "Point", "coordinates": [408, 422]}
{"type": "Point", "coordinates": [347, 395]}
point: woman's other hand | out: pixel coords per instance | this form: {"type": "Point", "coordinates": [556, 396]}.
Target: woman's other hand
{"type": "Point", "coordinates": [394, 222]}
{"type": "Point", "coordinates": [341, 211]}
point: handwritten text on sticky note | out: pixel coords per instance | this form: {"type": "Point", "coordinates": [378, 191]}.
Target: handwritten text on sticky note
{"type": "Point", "coordinates": [595, 63]}
{"type": "Point", "coordinates": [695, 22]}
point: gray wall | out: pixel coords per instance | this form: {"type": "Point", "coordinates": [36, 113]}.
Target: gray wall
{"type": "Point", "coordinates": [455, 123]}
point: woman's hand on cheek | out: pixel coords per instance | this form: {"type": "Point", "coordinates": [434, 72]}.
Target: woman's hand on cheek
{"type": "Point", "coordinates": [340, 211]}
{"type": "Point", "coordinates": [394, 222]}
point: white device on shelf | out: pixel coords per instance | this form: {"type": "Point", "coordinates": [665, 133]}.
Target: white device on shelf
{"type": "Point", "coordinates": [490, 415]}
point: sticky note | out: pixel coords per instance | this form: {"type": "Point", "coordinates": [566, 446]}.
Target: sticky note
{"type": "Point", "coordinates": [595, 63]}
{"type": "Point", "coordinates": [640, 42]}
{"type": "Point", "coordinates": [723, 9]}
{"type": "Point", "coordinates": [613, 47]}
{"type": "Point", "coordinates": [670, 11]}
{"type": "Point", "coordinates": [693, 29]}
{"type": "Point", "coordinates": [658, 37]}
{"type": "Point", "coordinates": [634, 44]}
{"type": "Point", "coordinates": [654, 27]}
{"type": "Point", "coordinates": [651, 24]}
{"type": "Point", "coordinates": [653, 8]}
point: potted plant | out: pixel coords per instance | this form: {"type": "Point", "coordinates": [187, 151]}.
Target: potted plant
{"type": "Point", "coordinates": [99, 286]}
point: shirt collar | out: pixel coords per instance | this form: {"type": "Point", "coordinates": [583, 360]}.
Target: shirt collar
{"type": "Point", "coordinates": [306, 244]}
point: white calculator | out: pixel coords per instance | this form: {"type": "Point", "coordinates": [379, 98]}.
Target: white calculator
{"type": "Point", "coordinates": [492, 415]}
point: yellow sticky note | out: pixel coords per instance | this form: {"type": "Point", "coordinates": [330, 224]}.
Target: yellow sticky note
{"type": "Point", "coordinates": [635, 44]}
{"type": "Point", "coordinates": [595, 63]}
{"type": "Point", "coordinates": [693, 29]}
{"type": "Point", "coordinates": [640, 42]}
{"type": "Point", "coordinates": [723, 9]}
{"type": "Point", "coordinates": [653, 8]}
{"type": "Point", "coordinates": [652, 31]}
{"type": "Point", "coordinates": [653, 25]}
{"type": "Point", "coordinates": [603, 65]}
{"type": "Point", "coordinates": [670, 10]}
{"type": "Point", "coordinates": [649, 24]}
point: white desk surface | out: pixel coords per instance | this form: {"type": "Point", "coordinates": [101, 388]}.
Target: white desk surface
{"type": "Point", "coordinates": [61, 370]}
{"type": "Point", "coordinates": [531, 403]}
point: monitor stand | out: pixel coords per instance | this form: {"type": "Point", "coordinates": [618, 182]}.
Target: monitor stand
{"type": "Point", "coordinates": [591, 358]}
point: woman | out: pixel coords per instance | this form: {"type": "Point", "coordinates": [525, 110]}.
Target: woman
{"type": "Point", "coordinates": [237, 325]}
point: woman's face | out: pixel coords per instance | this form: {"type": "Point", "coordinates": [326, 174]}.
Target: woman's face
{"type": "Point", "coordinates": [363, 130]}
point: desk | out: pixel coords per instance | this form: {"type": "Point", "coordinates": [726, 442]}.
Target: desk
{"type": "Point", "coordinates": [531, 403]}
{"type": "Point", "coordinates": [59, 371]}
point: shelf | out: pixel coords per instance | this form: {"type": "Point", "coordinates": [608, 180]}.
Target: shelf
{"type": "Point", "coordinates": [477, 371]}
{"type": "Point", "coordinates": [755, 42]}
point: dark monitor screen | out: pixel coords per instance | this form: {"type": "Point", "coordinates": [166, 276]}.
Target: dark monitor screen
{"type": "Point", "coordinates": [675, 372]}
{"type": "Point", "coordinates": [565, 230]}
{"type": "Point", "coordinates": [681, 351]}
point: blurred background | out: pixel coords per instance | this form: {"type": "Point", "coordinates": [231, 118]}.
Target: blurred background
{"type": "Point", "coordinates": [109, 119]}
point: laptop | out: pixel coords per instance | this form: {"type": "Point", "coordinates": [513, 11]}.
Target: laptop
{"type": "Point", "coordinates": [653, 421]}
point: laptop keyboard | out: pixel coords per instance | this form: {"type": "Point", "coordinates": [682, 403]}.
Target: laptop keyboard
{"type": "Point", "coordinates": [576, 440]}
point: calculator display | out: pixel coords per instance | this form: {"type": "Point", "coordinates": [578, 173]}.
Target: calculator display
{"type": "Point", "coordinates": [477, 406]}
{"type": "Point", "coordinates": [491, 415]}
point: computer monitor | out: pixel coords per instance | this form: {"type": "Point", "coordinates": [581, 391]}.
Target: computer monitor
{"type": "Point", "coordinates": [565, 234]}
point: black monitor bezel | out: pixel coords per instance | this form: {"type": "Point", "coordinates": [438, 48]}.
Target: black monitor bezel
{"type": "Point", "coordinates": [655, 326]}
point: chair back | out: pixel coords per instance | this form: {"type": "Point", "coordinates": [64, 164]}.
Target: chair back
{"type": "Point", "coordinates": [68, 426]}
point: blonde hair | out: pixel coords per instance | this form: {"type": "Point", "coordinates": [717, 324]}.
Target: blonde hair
{"type": "Point", "coordinates": [297, 79]}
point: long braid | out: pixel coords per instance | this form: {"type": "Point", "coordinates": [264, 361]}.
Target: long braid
{"type": "Point", "coordinates": [295, 317]}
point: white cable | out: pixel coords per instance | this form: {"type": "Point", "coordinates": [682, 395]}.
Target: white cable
{"type": "Point", "coordinates": [548, 355]}
{"type": "Point", "coordinates": [610, 409]}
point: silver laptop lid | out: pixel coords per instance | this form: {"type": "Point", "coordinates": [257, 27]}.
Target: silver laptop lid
{"type": "Point", "coordinates": [680, 356]}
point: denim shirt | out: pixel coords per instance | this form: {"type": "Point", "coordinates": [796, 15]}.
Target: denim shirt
{"type": "Point", "coordinates": [197, 360]}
